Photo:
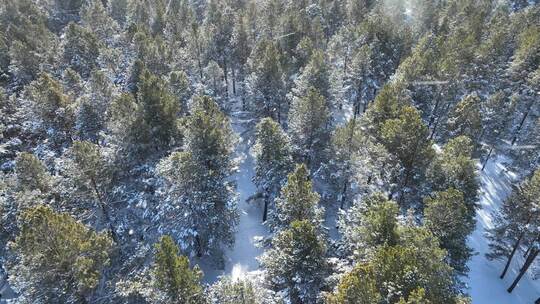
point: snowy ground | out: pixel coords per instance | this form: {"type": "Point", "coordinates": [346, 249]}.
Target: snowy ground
{"type": "Point", "coordinates": [241, 259]}
{"type": "Point", "coordinates": [485, 287]}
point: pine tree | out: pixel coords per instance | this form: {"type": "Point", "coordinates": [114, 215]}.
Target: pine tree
{"type": "Point", "coordinates": [179, 86]}
{"type": "Point", "coordinates": [95, 17]}
{"type": "Point", "coordinates": [31, 174]}
{"type": "Point", "coordinates": [59, 259]}
{"type": "Point", "coordinates": [314, 75]}
{"type": "Point", "coordinates": [417, 262]}
{"type": "Point", "coordinates": [159, 108]}
{"type": "Point", "coordinates": [219, 29]}
{"type": "Point", "coordinates": [174, 277]}
{"type": "Point", "coordinates": [406, 137]}
{"type": "Point", "coordinates": [368, 224]}
{"type": "Point", "coordinates": [358, 163]}
{"type": "Point", "coordinates": [466, 119]}
{"type": "Point", "coordinates": [411, 270]}
{"type": "Point", "coordinates": [90, 175]}
{"type": "Point", "coordinates": [388, 104]}
{"type": "Point", "coordinates": [455, 168]}
{"type": "Point", "coordinates": [298, 201]}
{"type": "Point", "coordinates": [229, 291]}
{"type": "Point", "coordinates": [54, 108]}
{"type": "Point", "coordinates": [309, 126]}
{"type": "Point", "coordinates": [240, 54]}
{"type": "Point", "coordinates": [356, 287]}
{"type": "Point", "coordinates": [296, 263]}
{"type": "Point", "coordinates": [447, 217]}
{"type": "Point", "coordinates": [197, 182]}
{"type": "Point", "coordinates": [129, 134]}
{"type": "Point", "coordinates": [81, 49]}
{"type": "Point", "coordinates": [29, 39]}
{"type": "Point", "coordinates": [272, 151]}
{"type": "Point", "coordinates": [265, 85]}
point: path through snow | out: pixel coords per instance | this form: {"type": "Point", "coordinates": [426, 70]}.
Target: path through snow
{"type": "Point", "coordinates": [485, 287]}
{"type": "Point", "coordinates": [241, 259]}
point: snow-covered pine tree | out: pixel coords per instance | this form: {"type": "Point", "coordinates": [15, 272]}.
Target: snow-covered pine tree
{"type": "Point", "coordinates": [89, 174]}
{"type": "Point", "coordinates": [298, 201]}
{"type": "Point", "coordinates": [309, 126]}
{"type": "Point", "coordinates": [368, 224]}
{"type": "Point", "coordinates": [406, 137]}
{"type": "Point", "coordinates": [199, 196]}
{"type": "Point", "coordinates": [74, 263]}
{"type": "Point", "coordinates": [173, 276]}
{"type": "Point", "coordinates": [81, 49]}
{"type": "Point", "coordinates": [54, 109]}
{"type": "Point", "coordinates": [273, 155]}
{"type": "Point", "coordinates": [455, 168]}
{"type": "Point", "coordinates": [314, 75]}
{"type": "Point", "coordinates": [159, 109]}
{"type": "Point", "coordinates": [230, 291]}
{"type": "Point", "coordinates": [264, 84]}
{"type": "Point", "coordinates": [296, 262]}
{"type": "Point", "coordinates": [358, 164]}
{"type": "Point", "coordinates": [447, 217]}
{"type": "Point", "coordinates": [465, 118]}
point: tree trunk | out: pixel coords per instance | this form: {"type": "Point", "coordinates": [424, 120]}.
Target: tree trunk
{"type": "Point", "coordinates": [514, 249]}
{"type": "Point", "coordinates": [198, 246]}
{"type": "Point", "coordinates": [434, 112]}
{"type": "Point", "coordinates": [487, 158]}
{"type": "Point", "coordinates": [438, 118]}
{"type": "Point", "coordinates": [519, 127]}
{"type": "Point", "coordinates": [265, 210]}
{"type": "Point", "coordinates": [233, 81]}
{"type": "Point", "coordinates": [225, 78]}
{"type": "Point", "coordinates": [523, 270]}
{"type": "Point", "coordinates": [105, 211]}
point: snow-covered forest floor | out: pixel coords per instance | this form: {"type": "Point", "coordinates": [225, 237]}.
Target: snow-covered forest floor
{"type": "Point", "coordinates": [242, 258]}
{"type": "Point", "coordinates": [483, 281]}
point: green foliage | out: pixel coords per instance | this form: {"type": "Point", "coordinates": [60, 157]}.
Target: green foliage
{"type": "Point", "coordinates": [81, 49]}
{"type": "Point", "coordinates": [174, 276]}
{"type": "Point", "coordinates": [447, 217]}
{"type": "Point", "coordinates": [387, 105]}
{"type": "Point", "coordinates": [265, 84]}
{"type": "Point", "coordinates": [31, 174]}
{"type": "Point", "coordinates": [197, 180]}
{"type": "Point", "coordinates": [229, 291]}
{"type": "Point", "coordinates": [129, 132]}
{"type": "Point", "coordinates": [309, 126]}
{"type": "Point", "coordinates": [356, 287]}
{"type": "Point", "coordinates": [273, 155]}
{"type": "Point", "coordinates": [51, 105]}
{"type": "Point", "coordinates": [465, 118]}
{"type": "Point", "coordinates": [296, 262]}
{"type": "Point", "coordinates": [369, 224]}
{"type": "Point", "coordinates": [159, 108]}
{"type": "Point", "coordinates": [179, 86]}
{"type": "Point", "coordinates": [417, 262]}
{"type": "Point", "coordinates": [89, 171]}
{"type": "Point", "coordinates": [413, 269]}
{"type": "Point", "coordinates": [527, 54]}
{"type": "Point", "coordinates": [406, 137]}
{"type": "Point", "coordinates": [455, 168]}
{"type": "Point", "coordinates": [60, 258]}
{"type": "Point", "coordinates": [298, 201]}
{"type": "Point", "coordinates": [517, 222]}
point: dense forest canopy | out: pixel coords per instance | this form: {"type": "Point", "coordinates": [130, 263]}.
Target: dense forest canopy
{"type": "Point", "coordinates": [343, 147]}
